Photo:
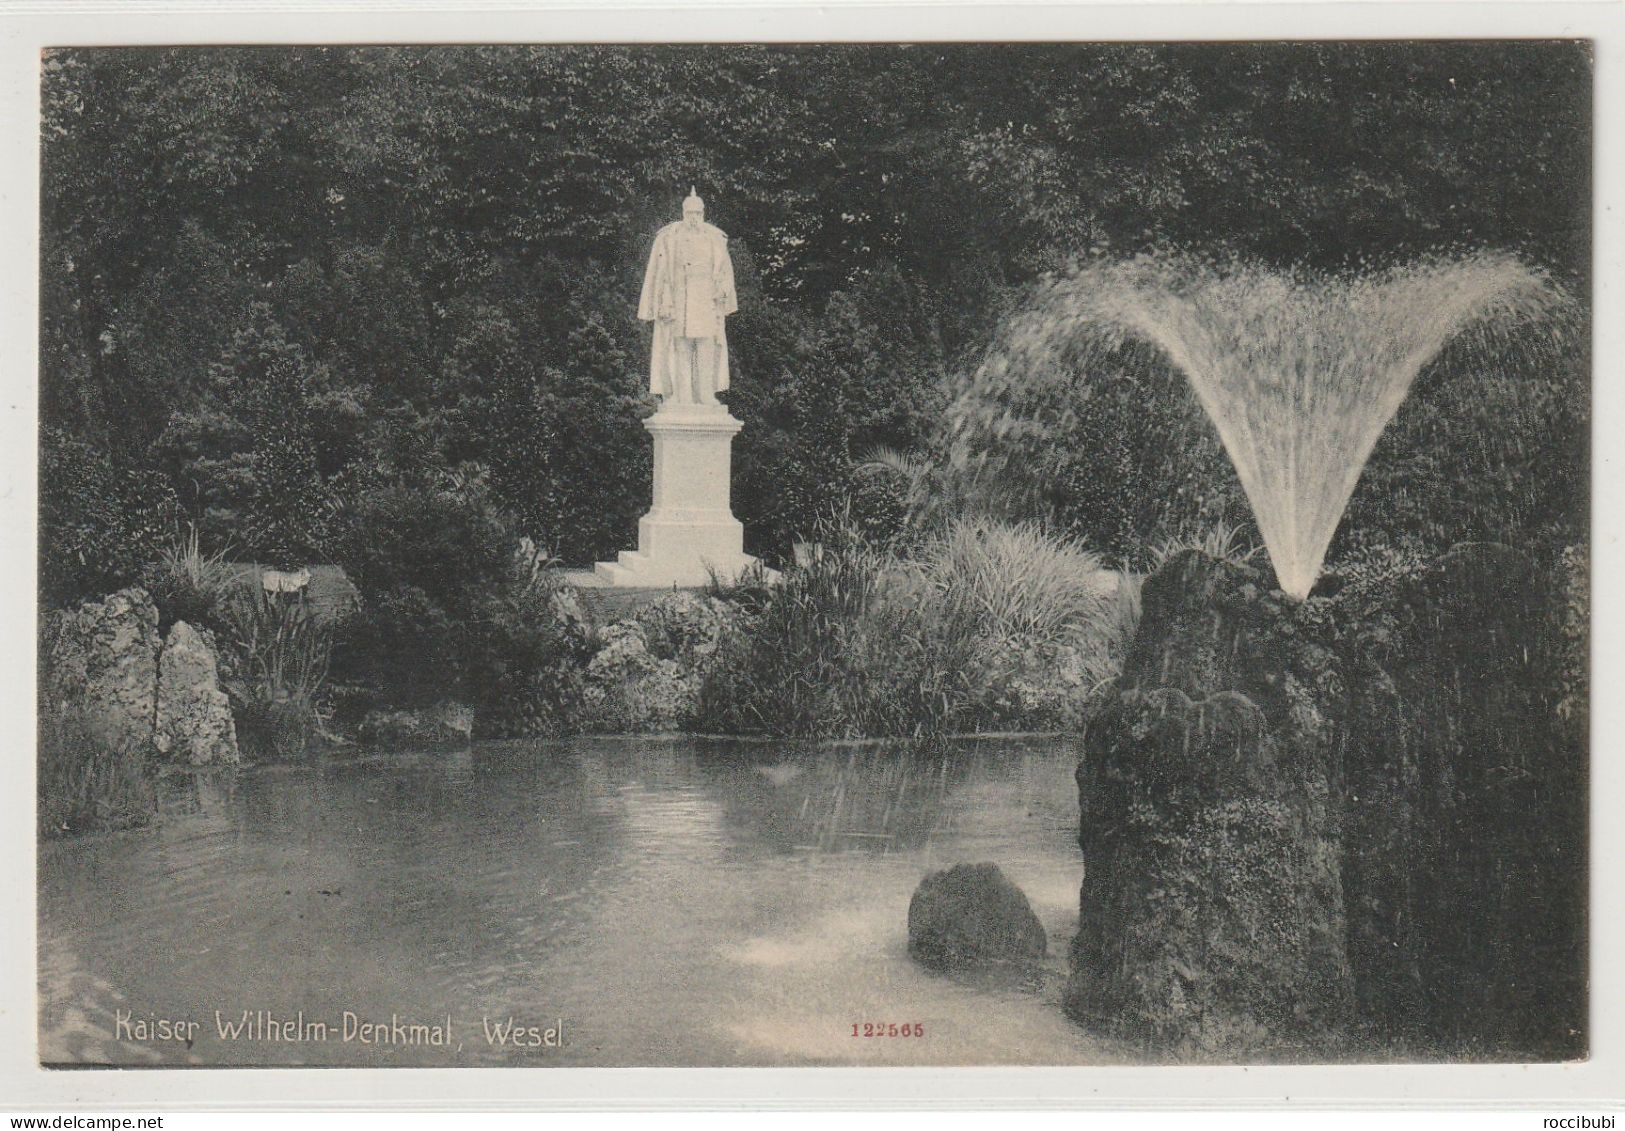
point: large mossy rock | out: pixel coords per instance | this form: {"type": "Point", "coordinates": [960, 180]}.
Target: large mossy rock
{"type": "Point", "coordinates": [972, 914]}
{"type": "Point", "coordinates": [101, 665]}
{"type": "Point", "coordinates": [1465, 802]}
{"type": "Point", "coordinates": [1211, 913]}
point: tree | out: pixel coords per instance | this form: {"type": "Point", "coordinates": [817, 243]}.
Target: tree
{"type": "Point", "coordinates": [425, 225]}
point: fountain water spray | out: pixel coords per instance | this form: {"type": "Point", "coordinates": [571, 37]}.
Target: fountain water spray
{"type": "Point", "coordinates": [1299, 373]}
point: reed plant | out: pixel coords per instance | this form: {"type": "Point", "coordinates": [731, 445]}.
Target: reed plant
{"type": "Point", "coordinates": [87, 783]}
{"type": "Point", "coordinates": [190, 585]}
{"type": "Point", "coordinates": [283, 649]}
{"type": "Point", "coordinates": [788, 673]}
{"type": "Point", "coordinates": [910, 667]}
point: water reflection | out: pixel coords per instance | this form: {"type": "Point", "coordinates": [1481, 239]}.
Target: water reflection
{"type": "Point", "coordinates": [675, 902]}
{"type": "Point", "coordinates": [879, 798]}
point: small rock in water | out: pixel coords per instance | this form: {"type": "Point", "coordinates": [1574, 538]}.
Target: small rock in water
{"type": "Point", "coordinates": [971, 914]}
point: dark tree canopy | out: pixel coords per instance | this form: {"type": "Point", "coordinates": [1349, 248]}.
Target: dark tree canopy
{"type": "Point", "coordinates": [439, 249]}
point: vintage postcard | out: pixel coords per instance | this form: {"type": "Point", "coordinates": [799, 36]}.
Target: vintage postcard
{"type": "Point", "coordinates": [825, 554]}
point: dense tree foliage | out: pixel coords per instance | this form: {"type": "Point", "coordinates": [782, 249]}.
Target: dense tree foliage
{"type": "Point", "coordinates": [263, 267]}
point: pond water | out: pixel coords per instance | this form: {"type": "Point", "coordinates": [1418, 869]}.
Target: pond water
{"type": "Point", "coordinates": [652, 902]}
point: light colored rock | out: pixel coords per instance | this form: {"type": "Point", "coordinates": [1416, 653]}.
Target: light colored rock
{"type": "Point", "coordinates": [686, 627]}
{"type": "Point", "coordinates": [631, 689]}
{"type": "Point", "coordinates": [648, 671]}
{"type": "Point", "coordinates": [102, 663]}
{"type": "Point", "coordinates": [623, 653]}
{"type": "Point", "coordinates": [193, 717]}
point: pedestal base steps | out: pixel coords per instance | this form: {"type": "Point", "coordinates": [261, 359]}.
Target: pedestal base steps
{"type": "Point", "coordinates": [690, 534]}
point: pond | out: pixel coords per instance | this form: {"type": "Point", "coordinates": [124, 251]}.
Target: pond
{"type": "Point", "coordinates": [574, 902]}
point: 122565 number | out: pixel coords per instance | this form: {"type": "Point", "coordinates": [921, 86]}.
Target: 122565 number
{"type": "Point", "coordinates": [889, 1029]}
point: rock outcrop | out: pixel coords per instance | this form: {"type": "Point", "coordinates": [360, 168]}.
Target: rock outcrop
{"type": "Point", "coordinates": [102, 665]}
{"type": "Point", "coordinates": [193, 722]}
{"type": "Point", "coordinates": [972, 914]}
{"type": "Point", "coordinates": [648, 671]}
{"type": "Point", "coordinates": [1211, 913]}
{"type": "Point", "coordinates": [106, 666]}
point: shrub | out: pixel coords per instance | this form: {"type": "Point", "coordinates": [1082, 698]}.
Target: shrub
{"type": "Point", "coordinates": [1492, 444]}
{"type": "Point", "coordinates": [532, 648]}
{"type": "Point", "coordinates": [914, 486]}
{"type": "Point", "coordinates": [87, 784]}
{"type": "Point", "coordinates": [554, 412]}
{"type": "Point", "coordinates": [456, 605]}
{"type": "Point", "coordinates": [425, 551]}
{"type": "Point", "coordinates": [1464, 804]}
{"type": "Point", "coordinates": [1107, 445]}
{"type": "Point", "coordinates": [861, 373]}
{"type": "Point", "coordinates": [253, 458]}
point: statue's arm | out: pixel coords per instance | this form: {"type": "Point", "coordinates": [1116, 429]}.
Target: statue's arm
{"type": "Point", "coordinates": [727, 300]}
{"type": "Point", "coordinates": [656, 299]}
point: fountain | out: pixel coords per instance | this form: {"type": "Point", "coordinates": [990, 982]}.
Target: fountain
{"type": "Point", "coordinates": [1213, 923]}
{"type": "Point", "coordinates": [1299, 372]}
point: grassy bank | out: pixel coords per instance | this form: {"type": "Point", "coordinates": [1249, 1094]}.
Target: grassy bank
{"type": "Point", "coordinates": [985, 626]}
{"type": "Point", "coordinates": [87, 783]}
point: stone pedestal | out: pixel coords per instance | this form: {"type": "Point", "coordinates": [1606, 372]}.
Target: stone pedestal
{"type": "Point", "coordinates": [690, 531]}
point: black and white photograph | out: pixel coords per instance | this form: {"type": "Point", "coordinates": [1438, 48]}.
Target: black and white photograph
{"type": "Point", "coordinates": [750, 554]}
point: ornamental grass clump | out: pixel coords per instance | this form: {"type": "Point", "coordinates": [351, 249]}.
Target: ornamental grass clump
{"type": "Point", "coordinates": [1017, 581]}
{"type": "Point", "coordinates": [856, 642]}
{"type": "Point", "coordinates": [190, 585]}
{"type": "Point", "coordinates": [1049, 625]}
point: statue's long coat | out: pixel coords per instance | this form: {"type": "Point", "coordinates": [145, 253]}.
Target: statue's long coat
{"type": "Point", "coordinates": [662, 294]}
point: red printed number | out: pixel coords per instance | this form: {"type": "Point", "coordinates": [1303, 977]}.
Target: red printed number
{"type": "Point", "coordinates": [888, 1029]}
